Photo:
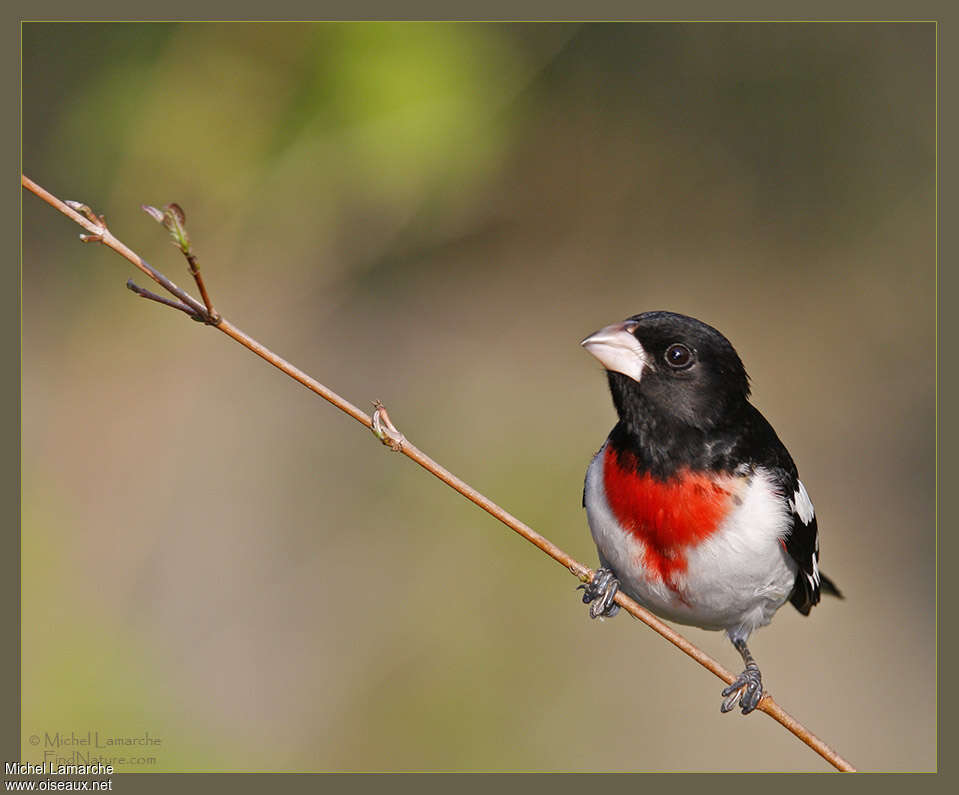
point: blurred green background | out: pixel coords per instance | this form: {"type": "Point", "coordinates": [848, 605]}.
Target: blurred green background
{"type": "Point", "coordinates": [434, 215]}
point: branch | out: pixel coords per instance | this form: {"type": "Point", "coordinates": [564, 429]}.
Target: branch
{"type": "Point", "coordinates": [172, 218]}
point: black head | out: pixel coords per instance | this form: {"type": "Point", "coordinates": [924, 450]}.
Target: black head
{"type": "Point", "coordinates": [676, 366]}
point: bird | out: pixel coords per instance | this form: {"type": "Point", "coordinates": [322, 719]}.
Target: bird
{"type": "Point", "coordinates": [694, 503]}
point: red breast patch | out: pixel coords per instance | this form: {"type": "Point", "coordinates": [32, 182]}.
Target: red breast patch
{"type": "Point", "coordinates": [666, 516]}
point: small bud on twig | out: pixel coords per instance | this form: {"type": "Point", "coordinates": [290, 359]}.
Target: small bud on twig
{"type": "Point", "coordinates": [173, 219]}
{"type": "Point", "coordinates": [383, 428]}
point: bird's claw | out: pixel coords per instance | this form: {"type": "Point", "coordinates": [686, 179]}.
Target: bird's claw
{"type": "Point", "coordinates": [601, 591]}
{"type": "Point", "coordinates": [747, 691]}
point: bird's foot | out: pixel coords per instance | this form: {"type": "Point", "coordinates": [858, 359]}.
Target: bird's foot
{"type": "Point", "coordinates": [601, 590]}
{"type": "Point", "coordinates": [747, 691]}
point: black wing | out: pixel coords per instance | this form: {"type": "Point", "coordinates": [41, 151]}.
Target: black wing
{"type": "Point", "coordinates": [802, 544]}
{"type": "Point", "coordinates": [802, 541]}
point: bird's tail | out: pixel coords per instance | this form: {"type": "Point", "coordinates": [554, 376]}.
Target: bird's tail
{"type": "Point", "coordinates": [828, 586]}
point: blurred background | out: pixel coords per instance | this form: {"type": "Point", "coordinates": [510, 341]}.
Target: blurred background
{"type": "Point", "coordinates": [435, 215]}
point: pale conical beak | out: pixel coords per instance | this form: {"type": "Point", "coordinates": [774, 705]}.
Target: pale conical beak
{"type": "Point", "coordinates": [617, 349]}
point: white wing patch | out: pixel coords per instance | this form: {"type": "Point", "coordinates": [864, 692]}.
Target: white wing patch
{"type": "Point", "coordinates": [801, 505]}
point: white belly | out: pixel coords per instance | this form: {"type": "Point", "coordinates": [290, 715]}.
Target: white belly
{"type": "Point", "coordinates": [734, 580]}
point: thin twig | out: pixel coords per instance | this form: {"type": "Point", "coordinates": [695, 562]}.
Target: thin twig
{"type": "Point", "coordinates": [198, 278]}
{"type": "Point", "coordinates": [100, 233]}
{"type": "Point", "coordinates": [172, 302]}
{"type": "Point", "coordinates": [384, 429]}
{"type": "Point", "coordinates": [174, 221]}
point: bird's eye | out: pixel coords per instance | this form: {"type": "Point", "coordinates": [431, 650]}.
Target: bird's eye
{"type": "Point", "coordinates": [678, 356]}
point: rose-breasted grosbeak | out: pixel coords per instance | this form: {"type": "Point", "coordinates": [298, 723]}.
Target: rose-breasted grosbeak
{"type": "Point", "coordinates": [694, 503]}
